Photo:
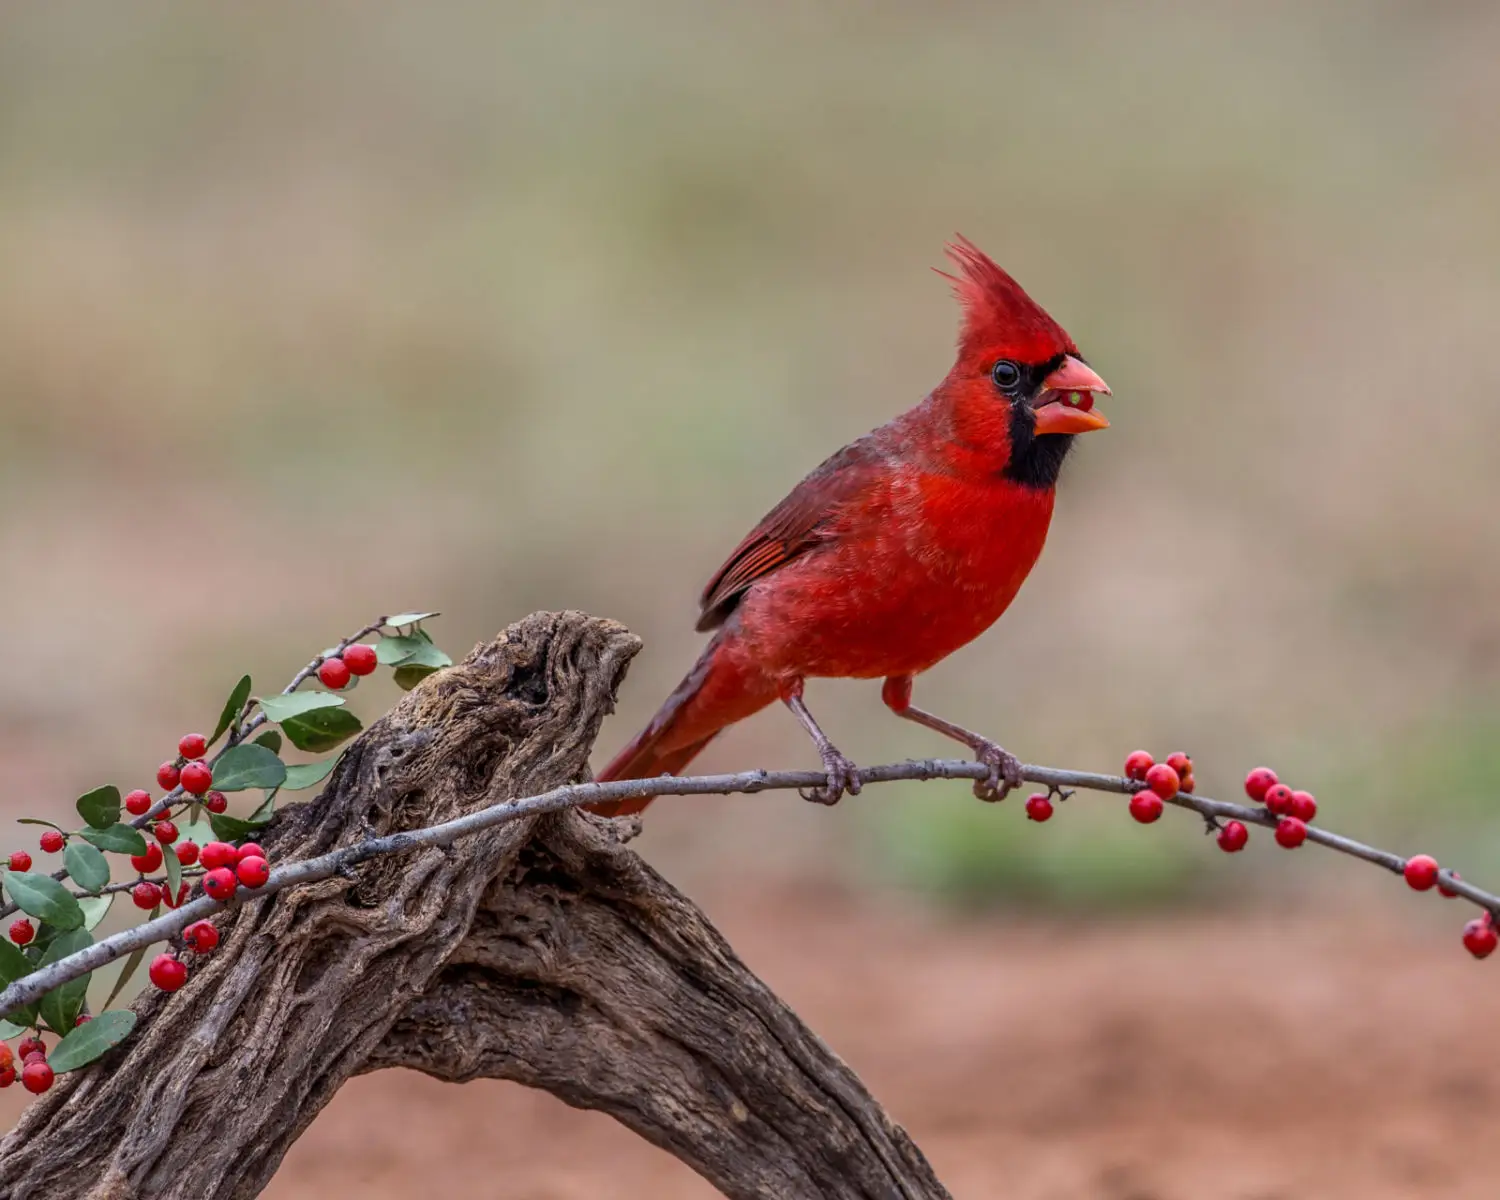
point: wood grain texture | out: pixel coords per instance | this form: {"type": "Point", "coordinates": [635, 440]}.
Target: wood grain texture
{"type": "Point", "coordinates": [542, 951]}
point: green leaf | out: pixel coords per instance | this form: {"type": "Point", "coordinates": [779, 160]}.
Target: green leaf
{"type": "Point", "coordinates": [61, 1006]}
{"type": "Point", "coordinates": [199, 832]}
{"type": "Point", "coordinates": [89, 868]}
{"type": "Point", "coordinates": [39, 821]}
{"type": "Point", "coordinates": [266, 809]}
{"type": "Point", "coordinates": [14, 965]}
{"type": "Point", "coordinates": [409, 618]}
{"type": "Point", "coordinates": [95, 909]}
{"type": "Point", "coordinates": [234, 829]}
{"type": "Point", "coordinates": [101, 807]}
{"type": "Point", "coordinates": [248, 766]}
{"type": "Point", "coordinates": [42, 896]}
{"type": "Point", "coordinates": [271, 740]}
{"type": "Point", "coordinates": [232, 708]}
{"type": "Point", "coordinates": [320, 729]}
{"type": "Point", "coordinates": [9, 1029]}
{"type": "Point", "coordinates": [86, 1043]}
{"type": "Point", "coordinates": [132, 964]}
{"type": "Point", "coordinates": [414, 650]}
{"type": "Point", "coordinates": [173, 864]}
{"type": "Point", "coordinates": [306, 775]}
{"type": "Point", "coordinates": [408, 676]}
{"type": "Point", "coordinates": [118, 839]}
{"type": "Point", "coordinates": [279, 708]}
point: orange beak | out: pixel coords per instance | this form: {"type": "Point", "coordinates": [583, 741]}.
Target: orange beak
{"type": "Point", "coordinates": [1066, 404]}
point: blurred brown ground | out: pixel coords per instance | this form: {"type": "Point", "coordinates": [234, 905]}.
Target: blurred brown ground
{"type": "Point", "coordinates": [312, 311]}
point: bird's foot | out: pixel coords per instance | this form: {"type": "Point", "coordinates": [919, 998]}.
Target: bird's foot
{"type": "Point", "coordinates": [843, 776]}
{"type": "Point", "coordinates": [1005, 771]}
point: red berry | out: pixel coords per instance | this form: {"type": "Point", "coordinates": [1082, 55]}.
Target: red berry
{"type": "Point", "coordinates": [1188, 783]}
{"type": "Point", "coordinates": [81, 1019]}
{"type": "Point", "coordinates": [197, 778]}
{"type": "Point", "coordinates": [1039, 807]}
{"type": "Point", "coordinates": [34, 1056]}
{"type": "Point", "coordinates": [1146, 806]}
{"type": "Point", "coordinates": [1290, 832]}
{"type": "Point", "coordinates": [220, 883]}
{"type": "Point", "coordinates": [137, 802]}
{"type": "Point", "coordinates": [1258, 782]}
{"type": "Point", "coordinates": [149, 861]}
{"type": "Point", "coordinates": [52, 841]}
{"type": "Point", "coordinates": [216, 802]}
{"type": "Point", "coordinates": [167, 898]}
{"type": "Point", "coordinates": [167, 973]}
{"type": "Point", "coordinates": [7, 1076]}
{"type": "Point", "coordinates": [193, 745]}
{"type": "Point", "coordinates": [1137, 765]}
{"type": "Point", "coordinates": [1232, 837]}
{"type": "Point", "coordinates": [201, 936]}
{"type": "Point", "coordinates": [29, 1046]}
{"type": "Point", "coordinates": [1445, 889]}
{"type": "Point", "coordinates": [1421, 872]}
{"type": "Point", "coordinates": [7, 1059]}
{"type": "Point", "coordinates": [167, 775]}
{"type": "Point", "coordinates": [187, 853]}
{"type": "Point", "coordinates": [22, 931]}
{"type": "Point", "coordinates": [1303, 806]}
{"type": "Point", "coordinates": [360, 658]}
{"type": "Point", "coordinates": [1479, 937]}
{"type": "Point", "coordinates": [253, 871]}
{"type": "Point", "coordinates": [1279, 799]}
{"type": "Point", "coordinates": [1180, 763]}
{"type": "Point", "coordinates": [166, 832]}
{"type": "Point", "coordinates": [334, 673]}
{"type": "Point", "coordinates": [250, 850]}
{"type": "Point", "coordinates": [145, 895]}
{"type": "Point", "coordinates": [218, 854]}
{"type": "Point", "coordinates": [20, 861]}
{"type": "Point", "coordinates": [1162, 780]}
{"type": "Point", "coordinates": [37, 1077]}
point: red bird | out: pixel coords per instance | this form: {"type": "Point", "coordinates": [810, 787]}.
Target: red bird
{"type": "Point", "coordinates": [902, 547]}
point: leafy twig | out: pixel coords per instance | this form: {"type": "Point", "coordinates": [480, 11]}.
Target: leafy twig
{"type": "Point", "coordinates": [178, 795]}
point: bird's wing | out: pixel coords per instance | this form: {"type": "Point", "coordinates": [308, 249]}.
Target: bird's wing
{"type": "Point", "coordinates": [793, 527]}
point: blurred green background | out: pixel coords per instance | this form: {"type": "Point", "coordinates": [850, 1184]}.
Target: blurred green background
{"type": "Point", "coordinates": [313, 312]}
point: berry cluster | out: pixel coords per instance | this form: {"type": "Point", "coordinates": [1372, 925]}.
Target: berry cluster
{"type": "Point", "coordinates": [36, 1073]}
{"type": "Point", "coordinates": [167, 971]}
{"type": "Point", "coordinates": [1163, 781]}
{"type": "Point", "coordinates": [227, 867]}
{"type": "Point", "coordinates": [188, 770]}
{"type": "Point", "coordinates": [1294, 810]}
{"type": "Point", "coordinates": [334, 672]}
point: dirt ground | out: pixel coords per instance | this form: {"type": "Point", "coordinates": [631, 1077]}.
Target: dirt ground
{"type": "Point", "coordinates": [1232, 1056]}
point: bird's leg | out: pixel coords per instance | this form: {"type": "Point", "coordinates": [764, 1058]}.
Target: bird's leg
{"type": "Point", "coordinates": [843, 775]}
{"type": "Point", "coordinates": [1005, 767]}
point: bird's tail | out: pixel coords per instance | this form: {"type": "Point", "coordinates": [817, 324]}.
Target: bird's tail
{"type": "Point", "coordinates": [717, 692]}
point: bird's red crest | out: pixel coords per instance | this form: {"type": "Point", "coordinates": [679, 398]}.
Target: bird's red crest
{"type": "Point", "coordinates": [1000, 319]}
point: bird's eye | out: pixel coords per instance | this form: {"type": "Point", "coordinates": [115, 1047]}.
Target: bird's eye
{"type": "Point", "coordinates": [1006, 375]}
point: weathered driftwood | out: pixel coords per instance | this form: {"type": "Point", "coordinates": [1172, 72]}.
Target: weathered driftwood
{"type": "Point", "coordinates": [541, 951]}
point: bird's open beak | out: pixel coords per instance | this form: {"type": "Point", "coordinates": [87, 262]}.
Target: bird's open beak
{"type": "Point", "coordinates": [1066, 404]}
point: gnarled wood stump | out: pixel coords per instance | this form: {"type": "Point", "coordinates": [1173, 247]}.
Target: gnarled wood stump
{"type": "Point", "coordinates": [541, 951]}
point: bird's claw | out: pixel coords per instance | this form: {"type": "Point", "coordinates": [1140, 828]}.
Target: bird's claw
{"type": "Point", "coordinates": [1005, 772]}
{"type": "Point", "coordinates": [843, 776]}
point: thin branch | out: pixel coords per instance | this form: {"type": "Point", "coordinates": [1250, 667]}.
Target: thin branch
{"type": "Point", "coordinates": [32, 987]}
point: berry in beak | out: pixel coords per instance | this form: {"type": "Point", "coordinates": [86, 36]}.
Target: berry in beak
{"type": "Point", "coordinates": [1066, 403]}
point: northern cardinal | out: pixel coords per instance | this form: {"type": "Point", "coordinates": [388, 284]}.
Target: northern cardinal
{"type": "Point", "coordinates": [902, 547]}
